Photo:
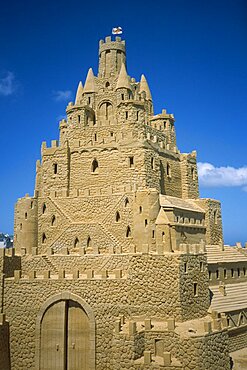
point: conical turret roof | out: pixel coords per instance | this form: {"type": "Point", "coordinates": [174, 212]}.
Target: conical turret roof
{"type": "Point", "coordinates": [79, 93]}
{"type": "Point", "coordinates": [123, 79]}
{"type": "Point", "coordinates": [89, 83]}
{"type": "Point", "coordinates": [144, 87]}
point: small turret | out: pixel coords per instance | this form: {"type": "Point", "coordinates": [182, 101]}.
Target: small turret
{"type": "Point", "coordinates": [79, 93]}
{"type": "Point", "coordinates": [89, 84]}
{"type": "Point", "coordinates": [123, 79]}
{"type": "Point", "coordinates": [144, 87]}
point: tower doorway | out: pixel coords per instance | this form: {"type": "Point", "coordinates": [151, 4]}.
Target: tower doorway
{"type": "Point", "coordinates": [65, 337]}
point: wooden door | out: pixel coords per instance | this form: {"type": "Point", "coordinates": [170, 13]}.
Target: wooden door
{"type": "Point", "coordinates": [65, 343]}
{"type": "Point", "coordinates": [53, 338]}
{"type": "Point", "coordinates": [77, 338]}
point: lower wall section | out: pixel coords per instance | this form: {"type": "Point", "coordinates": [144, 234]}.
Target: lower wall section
{"type": "Point", "coordinates": [237, 338]}
{"type": "Point", "coordinates": [4, 347]}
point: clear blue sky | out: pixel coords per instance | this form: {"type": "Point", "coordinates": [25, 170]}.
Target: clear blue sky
{"type": "Point", "coordinates": [193, 53]}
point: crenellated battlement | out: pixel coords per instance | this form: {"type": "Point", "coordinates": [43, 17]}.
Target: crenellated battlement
{"type": "Point", "coordinates": [67, 275]}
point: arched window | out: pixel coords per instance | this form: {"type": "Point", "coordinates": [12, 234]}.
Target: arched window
{"type": "Point", "coordinates": [53, 220]}
{"type": "Point", "coordinates": [76, 243]}
{"type": "Point", "coordinates": [140, 209]}
{"type": "Point", "coordinates": [95, 166]}
{"type": "Point", "coordinates": [43, 208]}
{"type": "Point", "coordinates": [89, 242]}
{"type": "Point", "coordinates": [107, 84]}
{"type": "Point", "coordinates": [126, 202]}
{"type": "Point", "coordinates": [163, 236]}
{"type": "Point", "coordinates": [43, 238]}
{"type": "Point", "coordinates": [152, 163]}
{"type": "Point", "coordinates": [128, 232]}
{"type": "Point", "coordinates": [21, 226]}
{"type": "Point", "coordinates": [31, 204]}
{"type": "Point", "coordinates": [25, 215]}
{"type": "Point", "coordinates": [117, 216]}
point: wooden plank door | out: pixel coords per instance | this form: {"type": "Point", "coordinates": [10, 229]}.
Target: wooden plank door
{"type": "Point", "coordinates": [78, 342]}
{"type": "Point", "coordinates": [53, 327]}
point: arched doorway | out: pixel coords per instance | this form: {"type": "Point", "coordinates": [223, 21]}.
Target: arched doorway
{"type": "Point", "coordinates": [66, 336]}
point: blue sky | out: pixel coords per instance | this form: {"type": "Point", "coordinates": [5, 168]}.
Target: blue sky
{"type": "Point", "coordinates": [193, 54]}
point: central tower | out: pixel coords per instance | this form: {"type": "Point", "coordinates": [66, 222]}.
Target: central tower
{"type": "Point", "coordinates": [111, 56]}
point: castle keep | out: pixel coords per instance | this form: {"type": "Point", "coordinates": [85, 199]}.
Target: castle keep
{"type": "Point", "coordinates": [118, 264]}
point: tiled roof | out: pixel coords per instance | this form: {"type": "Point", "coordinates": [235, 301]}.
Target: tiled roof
{"type": "Point", "coordinates": [188, 204]}
{"type": "Point", "coordinates": [229, 254]}
{"type": "Point", "coordinates": [235, 298]}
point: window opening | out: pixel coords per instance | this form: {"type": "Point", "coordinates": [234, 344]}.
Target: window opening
{"type": "Point", "coordinates": [215, 217]}
{"type": "Point", "coordinates": [201, 266]}
{"type": "Point", "coordinates": [128, 232]}
{"type": "Point", "coordinates": [44, 208]}
{"type": "Point", "coordinates": [25, 215]}
{"type": "Point", "coordinates": [43, 238]}
{"type": "Point", "coordinates": [152, 163]}
{"type": "Point", "coordinates": [122, 96]}
{"type": "Point", "coordinates": [126, 203]}
{"type": "Point", "coordinates": [76, 243]}
{"type": "Point", "coordinates": [168, 170]}
{"type": "Point", "coordinates": [185, 267]}
{"type": "Point", "coordinates": [53, 220]}
{"type": "Point", "coordinates": [126, 115]}
{"type": "Point", "coordinates": [140, 209]}
{"type": "Point", "coordinates": [55, 168]}
{"type": "Point", "coordinates": [131, 162]}
{"type": "Point", "coordinates": [89, 242]}
{"type": "Point", "coordinates": [195, 289]}
{"type": "Point", "coordinates": [95, 166]}
{"type": "Point", "coordinates": [117, 216]}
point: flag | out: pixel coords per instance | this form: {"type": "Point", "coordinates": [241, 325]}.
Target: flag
{"type": "Point", "coordinates": [117, 31]}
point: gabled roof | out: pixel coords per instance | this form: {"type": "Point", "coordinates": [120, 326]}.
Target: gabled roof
{"type": "Point", "coordinates": [235, 298]}
{"type": "Point", "coordinates": [215, 254]}
{"type": "Point", "coordinates": [167, 201]}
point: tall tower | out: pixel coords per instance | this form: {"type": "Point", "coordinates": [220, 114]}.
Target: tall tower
{"type": "Point", "coordinates": [111, 56]}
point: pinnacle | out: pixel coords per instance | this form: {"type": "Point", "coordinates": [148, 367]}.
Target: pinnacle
{"type": "Point", "coordinates": [79, 93]}
{"type": "Point", "coordinates": [123, 79]}
{"type": "Point", "coordinates": [144, 87]}
{"type": "Point", "coordinates": [89, 84]}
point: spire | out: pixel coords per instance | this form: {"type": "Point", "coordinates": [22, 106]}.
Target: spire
{"type": "Point", "coordinates": [79, 93]}
{"type": "Point", "coordinates": [144, 87]}
{"type": "Point", "coordinates": [123, 79]}
{"type": "Point", "coordinates": [89, 86]}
